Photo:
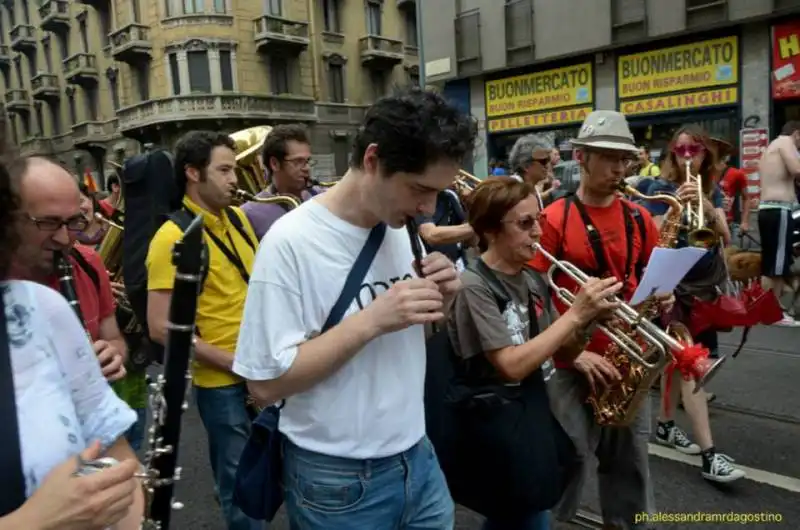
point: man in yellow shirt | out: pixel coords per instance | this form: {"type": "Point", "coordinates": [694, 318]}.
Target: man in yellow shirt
{"type": "Point", "coordinates": [204, 171]}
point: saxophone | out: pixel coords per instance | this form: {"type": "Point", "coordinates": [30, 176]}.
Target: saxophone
{"type": "Point", "coordinates": [618, 404]}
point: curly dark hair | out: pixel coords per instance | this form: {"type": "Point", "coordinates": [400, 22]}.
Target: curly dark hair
{"type": "Point", "coordinates": [275, 143]}
{"type": "Point", "coordinates": [414, 129]}
{"type": "Point", "coordinates": [9, 210]}
{"type": "Point", "coordinates": [193, 149]}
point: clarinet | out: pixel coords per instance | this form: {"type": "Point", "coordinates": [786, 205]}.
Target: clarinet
{"type": "Point", "coordinates": [170, 392]}
{"type": "Point", "coordinates": [416, 248]}
{"type": "Point", "coordinates": [66, 284]}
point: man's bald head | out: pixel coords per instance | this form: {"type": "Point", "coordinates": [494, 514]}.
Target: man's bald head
{"type": "Point", "coordinates": [39, 179]}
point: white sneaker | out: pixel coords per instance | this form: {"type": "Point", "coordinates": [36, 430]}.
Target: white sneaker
{"type": "Point", "coordinates": [787, 321]}
{"type": "Point", "coordinates": [721, 469]}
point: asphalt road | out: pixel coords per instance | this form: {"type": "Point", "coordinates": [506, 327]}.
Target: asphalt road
{"type": "Point", "coordinates": [755, 419]}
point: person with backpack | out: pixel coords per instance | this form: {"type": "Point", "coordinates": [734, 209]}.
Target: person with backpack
{"type": "Point", "coordinates": [602, 234]}
{"type": "Point", "coordinates": [52, 221]}
{"type": "Point", "coordinates": [205, 176]}
{"type": "Point", "coordinates": [334, 327]}
{"type": "Point", "coordinates": [287, 156]}
{"type": "Point", "coordinates": [504, 329]}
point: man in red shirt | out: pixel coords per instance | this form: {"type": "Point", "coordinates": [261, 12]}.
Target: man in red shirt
{"type": "Point", "coordinates": [51, 219]}
{"type": "Point", "coordinates": [602, 234]}
{"type": "Point", "coordinates": [733, 183]}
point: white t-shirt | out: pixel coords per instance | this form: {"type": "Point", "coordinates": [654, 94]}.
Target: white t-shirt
{"type": "Point", "coordinates": [63, 401]}
{"type": "Point", "coordinates": [371, 407]}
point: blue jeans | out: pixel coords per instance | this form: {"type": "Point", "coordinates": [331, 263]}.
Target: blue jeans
{"type": "Point", "coordinates": [407, 491]}
{"type": "Point", "coordinates": [535, 521]}
{"type": "Point", "coordinates": [228, 426]}
{"type": "Point", "coordinates": [135, 435]}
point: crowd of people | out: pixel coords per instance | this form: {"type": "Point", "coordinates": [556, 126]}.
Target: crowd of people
{"type": "Point", "coordinates": [350, 348]}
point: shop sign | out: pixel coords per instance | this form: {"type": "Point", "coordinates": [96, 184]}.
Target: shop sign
{"type": "Point", "coordinates": [539, 119]}
{"type": "Point", "coordinates": [538, 91]}
{"type": "Point", "coordinates": [753, 143]}
{"type": "Point", "coordinates": [676, 102]}
{"type": "Point", "coordinates": [693, 66]}
{"type": "Point", "coordinates": [786, 60]}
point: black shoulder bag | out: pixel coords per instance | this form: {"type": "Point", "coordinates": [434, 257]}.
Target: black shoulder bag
{"type": "Point", "coordinates": [504, 454]}
{"type": "Point", "coordinates": [12, 487]}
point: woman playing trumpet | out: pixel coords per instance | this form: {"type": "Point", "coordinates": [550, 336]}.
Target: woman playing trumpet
{"type": "Point", "coordinates": [690, 167]}
{"type": "Point", "coordinates": [514, 344]}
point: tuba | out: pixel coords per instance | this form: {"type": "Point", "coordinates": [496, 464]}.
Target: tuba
{"type": "Point", "coordinates": [249, 169]}
{"type": "Point", "coordinates": [639, 350]}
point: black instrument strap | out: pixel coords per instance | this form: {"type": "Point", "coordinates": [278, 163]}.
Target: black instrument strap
{"type": "Point", "coordinates": [232, 255]}
{"type": "Point", "coordinates": [12, 487]}
{"type": "Point", "coordinates": [86, 267]}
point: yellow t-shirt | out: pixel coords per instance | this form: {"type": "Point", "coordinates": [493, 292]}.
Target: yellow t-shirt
{"type": "Point", "coordinates": [221, 303]}
{"type": "Point", "coordinates": [650, 170]}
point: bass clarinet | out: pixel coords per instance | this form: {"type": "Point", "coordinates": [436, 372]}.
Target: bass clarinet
{"type": "Point", "coordinates": [66, 285]}
{"type": "Point", "coordinates": [169, 397]}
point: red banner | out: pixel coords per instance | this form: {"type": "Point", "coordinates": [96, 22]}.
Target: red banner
{"type": "Point", "coordinates": [786, 60]}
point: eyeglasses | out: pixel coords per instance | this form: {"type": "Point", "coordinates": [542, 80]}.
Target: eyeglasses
{"type": "Point", "coordinates": [51, 224]}
{"type": "Point", "coordinates": [546, 162]}
{"type": "Point", "coordinates": [525, 223]}
{"type": "Point", "coordinates": [301, 162]}
{"type": "Point", "coordinates": [688, 150]}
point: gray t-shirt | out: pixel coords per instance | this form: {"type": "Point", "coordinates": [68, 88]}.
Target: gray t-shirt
{"type": "Point", "coordinates": [477, 325]}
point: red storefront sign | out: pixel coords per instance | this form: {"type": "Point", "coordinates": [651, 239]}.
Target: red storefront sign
{"type": "Point", "coordinates": [786, 60]}
{"type": "Point", "coordinates": [753, 143]}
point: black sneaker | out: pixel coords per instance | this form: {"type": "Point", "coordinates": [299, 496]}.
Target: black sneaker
{"type": "Point", "coordinates": [674, 437]}
{"type": "Point", "coordinates": [720, 468]}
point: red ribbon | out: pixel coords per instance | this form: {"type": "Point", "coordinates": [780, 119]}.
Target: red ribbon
{"type": "Point", "coordinates": [690, 362]}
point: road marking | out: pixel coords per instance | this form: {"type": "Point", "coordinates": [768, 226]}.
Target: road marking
{"type": "Point", "coordinates": [756, 475]}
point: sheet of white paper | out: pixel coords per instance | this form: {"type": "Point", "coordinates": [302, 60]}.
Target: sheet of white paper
{"type": "Point", "coordinates": [665, 270]}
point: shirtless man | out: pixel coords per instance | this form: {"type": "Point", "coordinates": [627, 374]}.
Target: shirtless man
{"type": "Point", "coordinates": [779, 167]}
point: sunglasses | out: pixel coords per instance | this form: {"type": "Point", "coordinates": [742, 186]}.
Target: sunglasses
{"type": "Point", "coordinates": [525, 223]}
{"type": "Point", "coordinates": [688, 150]}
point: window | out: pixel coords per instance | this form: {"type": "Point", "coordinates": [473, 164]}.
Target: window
{"type": "Point", "coordinates": [2, 31]}
{"type": "Point", "coordinates": [104, 18]}
{"type": "Point", "coordinates": [32, 65]}
{"type": "Point", "coordinates": [142, 73]}
{"type": "Point", "coordinates": [111, 75]}
{"type": "Point", "coordinates": [413, 78]}
{"type": "Point", "coordinates": [73, 115]}
{"type": "Point", "coordinates": [279, 75]}
{"type": "Point", "coordinates": [226, 70]}
{"type": "Point", "coordinates": [90, 97]}
{"type": "Point", "coordinates": [84, 36]}
{"type": "Point", "coordinates": [167, 8]}
{"type": "Point", "coordinates": [373, 18]}
{"type": "Point", "coordinates": [199, 74]}
{"type": "Point", "coordinates": [55, 117]}
{"type": "Point", "coordinates": [330, 12]}
{"type": "Point", "coordinates": [63, 41]}
{"type": "Point", "coordinates": [175, 74]}
{"type": "Point", "coordinates": [39, 118]}
{"type": "Point", "coordinates": [411, 29]}
{"type": "Point", "coordinates": [219, 6]}
{"type": "Point", "coordinates": [275, 7]}
{"type": "Point", "coordinates": [18, 70]}
{"type": "Point", "coordinates": [26, 14]}
{"type": "Point", "coordinates": [136, 11]}
{"type": "Point", "coordinates": [378, 82]}
{"type": "Point", "coordinates": [48, 54]}
{"type": "Point", "coordinates": [192, 7]}
{"type": "Point", "coordinates": [336, 82]}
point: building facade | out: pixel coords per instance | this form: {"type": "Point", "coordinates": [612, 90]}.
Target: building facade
{"type": "Point", "coordinates": [92, 81]}
{"type": "Point", "coordinates": [541, 66]}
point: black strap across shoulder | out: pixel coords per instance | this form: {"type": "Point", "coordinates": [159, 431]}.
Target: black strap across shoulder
{"type": "Point", "coordinates": [12, 487]}
{"type": "Point", "coordinates": [86, 267]}
{"type": "Point", "coordinates": [596, 239]}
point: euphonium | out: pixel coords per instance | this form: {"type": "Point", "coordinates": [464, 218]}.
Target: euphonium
{"type": "Point", "coordinates": [249, 170]}
{"type": "Point", "coordinates": [286, 200]}
{"type": "Point", "coordinates": [640, 351]}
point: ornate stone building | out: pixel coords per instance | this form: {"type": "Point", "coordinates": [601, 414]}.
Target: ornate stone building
{"type": "Point", "coordinates": [92, 81]}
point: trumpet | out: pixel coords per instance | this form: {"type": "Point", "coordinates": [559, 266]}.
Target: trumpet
{"type": "Point", "coordinates": [245, 196]}
{"type": "Point", "coordinates": [640, 350]}
{"type": "Point", "coordinates": [465, 182]}
{"type": "Point", "coordinates": [699, 235]}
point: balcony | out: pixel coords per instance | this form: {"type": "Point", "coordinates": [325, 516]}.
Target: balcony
{"type": "Point", "coordinates": [131, 44]}
{"type": "Point", "coordinates": [45, 87]}
{"type": "Point", "coordinates": [17, 101]}
{"type": "Point", "coordinates": [36, 146]}
{"type": "Point", "coordinates": [380, 53]}
{"type": "Point", "coordinates": [54, 16]}
{"type": "Point", "coordinates": [5, 56]}
{"type": "Point", "coordinates": [23, 38]}
{"type": "Point", "coordinates": [81, 69]}
{"type": "Point", "coordinates": [140, 120]}
{"type": "Point", "coordinates": [468, 42]}
{"type": "Point", "coordinates": [281, 35]}
{"type": "Point", "coordinates": [86, 133]}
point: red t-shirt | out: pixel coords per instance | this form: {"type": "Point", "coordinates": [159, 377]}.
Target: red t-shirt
{"type": "Point", "coordinates": [733, 183]}
{"type": "Point", "coordinates": [575, 247]}
{"type": "Point", "coordinates": [95, 306]}
{"type": "Point", "coordinates": [108, 209]}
